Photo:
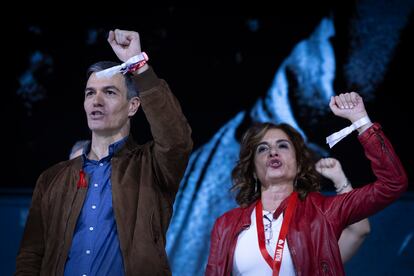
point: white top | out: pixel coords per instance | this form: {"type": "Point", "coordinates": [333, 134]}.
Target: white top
{"type": "Point", "coordinates": [248, 260]}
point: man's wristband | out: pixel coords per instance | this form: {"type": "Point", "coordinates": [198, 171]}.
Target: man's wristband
{"type": "Point", "coordinates": [142, 60]}
{"type": "Point", "coordinates": [131, 65]}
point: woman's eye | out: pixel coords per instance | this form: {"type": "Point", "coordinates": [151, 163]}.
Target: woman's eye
{"type": "Point", "coordinates": [261, 149]}
{"type": "Point", "coordinates": [283, 146]}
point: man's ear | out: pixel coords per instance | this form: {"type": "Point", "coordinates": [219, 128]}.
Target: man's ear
{"type": "Point", "coordinates": [134, 104]}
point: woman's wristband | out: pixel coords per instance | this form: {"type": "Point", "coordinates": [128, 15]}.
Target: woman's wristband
{"type": "Point", "coordinates": [342, 188]}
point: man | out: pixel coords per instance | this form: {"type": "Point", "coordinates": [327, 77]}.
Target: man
{"type": "Point", "coordinates": [107, 211]}
{"type": "Point", "coordinates": [77, 148]}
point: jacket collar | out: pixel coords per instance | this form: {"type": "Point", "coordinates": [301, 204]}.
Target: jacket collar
{"type": "Point", "coordinates": [129, 146]}
{"type": "Point", "coordinates": [247, 211]}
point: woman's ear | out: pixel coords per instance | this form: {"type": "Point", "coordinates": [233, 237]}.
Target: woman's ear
{"type": "Point", "coordinates": [299, 172]}
{"type": "Point", "coordinates": [134, 104]}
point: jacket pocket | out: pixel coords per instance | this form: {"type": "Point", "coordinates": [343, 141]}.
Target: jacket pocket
{"type": "Point", "coordinates": [157, 240]}
{"type": "Point", "coordinates": [155, 231]}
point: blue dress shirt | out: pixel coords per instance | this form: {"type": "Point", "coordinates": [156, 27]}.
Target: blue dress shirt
{"type": "Point", "coordinates": [95, 246]}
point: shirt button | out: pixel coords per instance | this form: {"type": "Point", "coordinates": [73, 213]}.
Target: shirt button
{"type": "Point", "coordinates": [88, 252]}
{"type": "Point", "coordinates": [94, 207]}
{"type": "Point", "coordinates": [95, 185]}
{"type": "Point", "coordinates": [84, 275]}
{"type": "Point", "coordinates": [91, 228]}
{"type": "Point", "coordinates": [101, 164]}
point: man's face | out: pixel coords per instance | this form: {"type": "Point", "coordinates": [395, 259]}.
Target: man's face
{"type": "Point", "coordinates": [106, 105]}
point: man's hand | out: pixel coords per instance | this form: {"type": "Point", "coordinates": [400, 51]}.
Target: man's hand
{"type": "Point", "coordinates": [125, 44]}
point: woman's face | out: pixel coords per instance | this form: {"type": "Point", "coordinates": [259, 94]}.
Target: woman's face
{"type": "Point", "coordinates": [275, 158]}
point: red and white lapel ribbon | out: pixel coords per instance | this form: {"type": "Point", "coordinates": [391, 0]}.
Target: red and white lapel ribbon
{"type": "Point", "coordinates": [339, 135]}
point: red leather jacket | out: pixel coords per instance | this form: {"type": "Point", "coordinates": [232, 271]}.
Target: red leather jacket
{"type": "Point", "coordinates": [318, 220]}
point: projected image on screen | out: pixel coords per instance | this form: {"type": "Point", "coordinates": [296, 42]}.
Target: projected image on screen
{"type": "Point", "coordinates": [299, 95]}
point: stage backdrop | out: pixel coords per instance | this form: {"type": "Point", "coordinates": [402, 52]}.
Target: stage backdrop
{"type": "Point", "coordinates": [228, 68]}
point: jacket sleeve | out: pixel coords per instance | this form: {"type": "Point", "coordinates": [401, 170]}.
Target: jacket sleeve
{"type": "Point", "coordinates": [32, 246]}
{"type": "Point", "coordinates": [169, 128]}
{"type": "Point", "coordinates": [391, 182]}
{"type": "Point", "coordinates": [212, 268]}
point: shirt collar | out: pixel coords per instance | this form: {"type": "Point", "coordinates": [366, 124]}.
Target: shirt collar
{"type": "Point", "coordinates": [112, 148]}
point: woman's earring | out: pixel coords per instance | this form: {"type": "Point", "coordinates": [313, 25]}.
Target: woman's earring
{"type": "Point", "coordinates": [255, 183]}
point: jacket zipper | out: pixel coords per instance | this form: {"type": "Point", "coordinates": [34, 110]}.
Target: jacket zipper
{"type": "Point", "coordinates": [387, 152]}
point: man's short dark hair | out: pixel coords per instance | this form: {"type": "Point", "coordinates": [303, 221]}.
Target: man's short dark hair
{"type": "Point", "coordinates": [102, 65]}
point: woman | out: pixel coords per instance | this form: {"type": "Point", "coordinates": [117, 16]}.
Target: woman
{"type": "Point", "coordinates": [283, 225]}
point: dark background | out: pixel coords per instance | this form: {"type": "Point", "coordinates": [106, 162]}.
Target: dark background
{"type": "Point", "coordinates": [217, 60]}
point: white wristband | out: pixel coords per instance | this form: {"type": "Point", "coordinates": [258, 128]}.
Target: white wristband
{"type": "Point", "coordinates": [338, 136]}
{"type": "Point", "coordinates": [123, 67]}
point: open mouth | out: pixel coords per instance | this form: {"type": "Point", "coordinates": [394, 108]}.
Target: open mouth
{"type": "Point", "coordinates": [274, 163]}
{"type": "Point", "coordinates": [96, 114]}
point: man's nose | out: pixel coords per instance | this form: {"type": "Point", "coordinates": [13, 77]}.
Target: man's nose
{"type": "Point", "coordinates": [98, 99]}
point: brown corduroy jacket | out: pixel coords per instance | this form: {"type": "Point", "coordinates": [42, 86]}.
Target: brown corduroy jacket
{"type": "Point", "coordinates": [145, 179]}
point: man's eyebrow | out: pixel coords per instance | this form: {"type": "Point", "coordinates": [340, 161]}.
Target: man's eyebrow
{"type": "Point", "coordinates": [104, 88]}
